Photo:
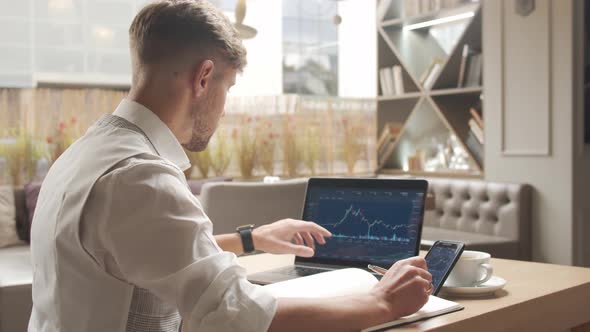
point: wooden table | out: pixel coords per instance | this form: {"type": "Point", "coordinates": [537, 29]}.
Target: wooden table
{"type": "Point", "coordinates": [537, 297]}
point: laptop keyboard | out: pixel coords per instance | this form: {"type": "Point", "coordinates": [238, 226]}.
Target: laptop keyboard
{"type": "Point", "coordinates": [299, 271]}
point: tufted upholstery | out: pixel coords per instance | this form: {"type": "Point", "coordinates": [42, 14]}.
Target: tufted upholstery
{"type": "Point", "coordinates": [231, 204]}
{"type": "Point", "coordinates": [489, 216]}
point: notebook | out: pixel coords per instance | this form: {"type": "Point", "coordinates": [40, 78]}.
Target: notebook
{"type": "Point", "coordinates": [351, 281]}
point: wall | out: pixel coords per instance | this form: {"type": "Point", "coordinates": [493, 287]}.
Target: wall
{"type": "Point", "coordinates": [358, 49]}
{"type": "Point", "coordinates": [263, 76]}
{"type": "Point", "coordinates": [529, 115]}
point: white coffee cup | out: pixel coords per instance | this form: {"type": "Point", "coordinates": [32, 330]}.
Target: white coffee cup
{"type": "Point", "coordinates": [472, 269]}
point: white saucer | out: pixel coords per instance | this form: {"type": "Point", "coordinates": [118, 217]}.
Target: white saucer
{"type": "Point", "coordinates": [487, 288]}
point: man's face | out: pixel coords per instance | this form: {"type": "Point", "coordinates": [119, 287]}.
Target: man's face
{"type": "Point", "coordinates": [208, 110]}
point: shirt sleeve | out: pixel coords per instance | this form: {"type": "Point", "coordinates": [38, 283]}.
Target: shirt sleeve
{"type": "Point", "coordinates": [161, 240]}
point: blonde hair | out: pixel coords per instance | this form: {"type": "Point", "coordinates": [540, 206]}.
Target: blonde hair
{"type": "Point", "coordinates": [166, 28]}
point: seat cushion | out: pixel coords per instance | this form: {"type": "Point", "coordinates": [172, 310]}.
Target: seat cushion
{"type": "Point", "coordinates": [197, 185]}
{"type": "Point", "coordinates": [8, 233]}
{"type": "Point", "coordinates": [32, 190]}
{"type": "Point", "coordinates": [15, 264]}
{"type": "Point", "coordinates": [15, 288]}
{"type": "Point", "coordinates": [22, 222]}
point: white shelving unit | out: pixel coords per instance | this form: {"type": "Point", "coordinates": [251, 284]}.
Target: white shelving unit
{"type": "Point", "coordinates": [435, 113]}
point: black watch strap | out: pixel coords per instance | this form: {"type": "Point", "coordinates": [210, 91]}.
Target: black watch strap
{"type": "Point", "coordinates": [246, 236]}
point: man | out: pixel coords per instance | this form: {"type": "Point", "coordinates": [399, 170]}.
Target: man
{"type": "Point", "coordinates": [120, 244]}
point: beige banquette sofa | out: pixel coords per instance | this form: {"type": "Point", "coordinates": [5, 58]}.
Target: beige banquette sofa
{"type": "Point", "coordinates": [489, 216]}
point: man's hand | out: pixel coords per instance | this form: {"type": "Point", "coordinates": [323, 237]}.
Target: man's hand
{"type": "Point", "coordinates": [289, 236]}
{"type": "Point", "coordinates": [405, 288]}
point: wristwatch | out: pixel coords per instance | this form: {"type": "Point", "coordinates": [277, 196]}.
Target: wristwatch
{"type": "Point", "coordinates": [245, 232]}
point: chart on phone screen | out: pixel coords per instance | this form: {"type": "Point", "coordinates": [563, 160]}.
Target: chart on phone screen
{"type": "Point", "coordinates": [377, 225]}
{"type": "Point", "coordinates": [439, 260]}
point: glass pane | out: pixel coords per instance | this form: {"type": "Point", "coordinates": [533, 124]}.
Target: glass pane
{"type": "Point", "coordinates": [15, 60]}
{"type": "Point", "coordinates": [12, 8]}
{"type": "Point", "coordinates": [58, 10]}
{"type": "Point", "coordinates": [110, 12]}
{"type": "Point", "coordinates": [59, 61]}
{"type": "Point", "coordinates": [14, 32]}
{"type": "Point", "coordinates": [107, 37]}
{"type": "Point", "coordinates": [109, 63]}
{"type": "Point", "coordinates": [310, 47]}
{"type": "Point", "coordinates": [53, 34]}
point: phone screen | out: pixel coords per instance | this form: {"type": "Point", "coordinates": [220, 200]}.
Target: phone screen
{"type": "Point", "coordinates": [440, 260]}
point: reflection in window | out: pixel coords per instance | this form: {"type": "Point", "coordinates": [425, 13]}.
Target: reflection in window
{"type": "Point", "coordinates": [310, 47]}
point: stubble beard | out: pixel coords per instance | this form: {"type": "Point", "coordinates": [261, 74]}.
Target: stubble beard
{"type": "Point", "coordinates": [200, 136]}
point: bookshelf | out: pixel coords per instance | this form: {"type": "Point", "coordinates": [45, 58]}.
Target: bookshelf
{"type": "Point", "coordinates": [426, 40]}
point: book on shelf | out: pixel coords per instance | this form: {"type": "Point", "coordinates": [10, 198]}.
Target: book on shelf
{"type": "Point", "coordinates": [412, 8]}
{"type": "Point", "coordinates": [387, 140]}
{"type": "Point", "coordinates": [398, 80]}
{"type": "Point", "coordinates": [351, 281]}
{"type": "Point", "coordinates": [383, 82]}
{"type": "Point", "coordinates": [475, 147]}
{"type": "Point", "coordinates": [426, 72]}
{"type": "Point", "coordinates": [390, 132]}
{"type": "Point", "coordinates": [419, 7]}
{"type": "Point", "coordinates": [385, 152]}
{"type": "Point", "coordinates": [473, 73]}
{"type": "Point", "coordinates": [463, 64]}
{"type": "Point", "coordinates": [391, 81]}
{"type": "Point", "coordinates": [476, 116]}
{"type": "Point", "coordinates": [432, 75]}
{"type": "Point", "coordinates": [476, 130]}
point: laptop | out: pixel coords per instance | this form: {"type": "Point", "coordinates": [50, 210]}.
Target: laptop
{"type": "Point", "coordinates": [372, 221]}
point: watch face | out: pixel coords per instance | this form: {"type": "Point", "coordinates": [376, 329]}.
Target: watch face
{"type": "Point", "coordinates": [244, 227]}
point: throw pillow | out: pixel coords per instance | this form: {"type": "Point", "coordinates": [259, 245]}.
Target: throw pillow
{"type": "Point", "coordinates": [8, 234]}
{"type": "Point", "coordinates": [32, 190]}
{"type": "Point", "coordinates": [21, 214]}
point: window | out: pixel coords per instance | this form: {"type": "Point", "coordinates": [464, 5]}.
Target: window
{"type": "Point", "coordinates": [310, 47]}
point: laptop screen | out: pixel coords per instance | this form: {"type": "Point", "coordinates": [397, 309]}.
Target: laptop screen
{"type": "Point", "coordinates": [369, 224]}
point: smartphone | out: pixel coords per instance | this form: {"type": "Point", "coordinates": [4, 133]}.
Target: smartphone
{"type": "Point", "coordinates": [441, 259]}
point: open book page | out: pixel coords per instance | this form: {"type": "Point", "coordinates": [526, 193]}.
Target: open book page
{"type": "Point", "coordinates": [434, 307]}
{"type": "Point", "coordinates": [353, 281]}
{"type": "Point", "coordinates": [326, 284]}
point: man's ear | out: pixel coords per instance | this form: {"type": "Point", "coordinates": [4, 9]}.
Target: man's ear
{"type": "Point", "coordinates": [203, 77]}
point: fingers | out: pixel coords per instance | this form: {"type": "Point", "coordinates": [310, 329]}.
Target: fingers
{"type": "Point", "coordinates": [408, 272]}
{"type": "Point", "coordinates": [306, 226]}
{"type": "Point", "coordinates": [424, 274]}
{"type": "Point", "coordinates": [413, 261]}
{"type": "Point", "coordinates": [309, 232]}
{"type": "Point", "coordinates": [426, 286]}
{"type": "Point", "coordinates": [298, 250]}
{"type": "Point", "coordinates": [298, 239]}
{"type": "Point", "coordinates": [319, 238]}
{"type": "Point", "coordinates": [423, 287]}
{"type": "Point", "coordinates": [308, 239]}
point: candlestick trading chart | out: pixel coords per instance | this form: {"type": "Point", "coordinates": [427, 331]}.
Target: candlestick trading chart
{"type": "Point", "coordinates": [380, 226]}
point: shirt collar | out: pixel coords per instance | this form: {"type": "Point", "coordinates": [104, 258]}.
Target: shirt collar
{"type": "Point", "coordinates": [164, 141]}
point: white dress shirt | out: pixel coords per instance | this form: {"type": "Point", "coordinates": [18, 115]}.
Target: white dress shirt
{"type": "Point", "coordinates": [119, 243]}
